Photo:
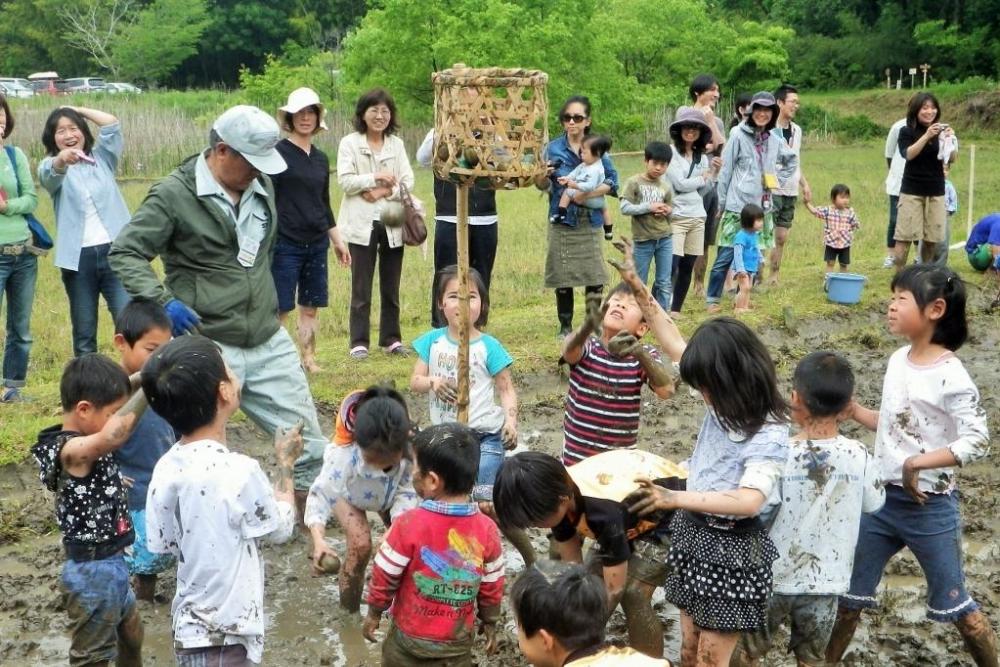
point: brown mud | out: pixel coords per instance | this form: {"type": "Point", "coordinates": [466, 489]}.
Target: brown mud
{"type": "Point", "coordinates": [307, 627]}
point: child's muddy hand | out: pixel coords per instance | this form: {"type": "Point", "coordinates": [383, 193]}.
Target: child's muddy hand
{"type": "Point", "coordinates": [508, 434]}
{"type": "Point", "coordinates": [324, 560]}
{"type": "Point", "coordinates": [445, 389]}
{"type": "Point", "coordinates": [911, 478]}
{"type": "Point", "coordinates": [649, 498]}
{"type": "Point", "coordinates": [626, 266]}
{"type": "Point", "coordinates": [489, 630]}
{"type": "Point", "coordinates": [370, 625]}
{"type": "Point", "coordinates": [596, 309]}
{"type": "Point", "coordinates": [288, 443]}
{"type": "Point", "coordinates": [623, 344]}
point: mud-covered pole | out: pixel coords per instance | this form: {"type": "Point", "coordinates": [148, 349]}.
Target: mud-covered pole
{"type": "Point", "coordinates": [462, 236]}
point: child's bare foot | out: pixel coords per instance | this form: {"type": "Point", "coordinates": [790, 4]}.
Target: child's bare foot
{"type": "Point", "coordinates": [740, 311]}
{"type": "Point", "coordinates": [675, 315]}
{"type": "Point", "coordinates": [714, 308]}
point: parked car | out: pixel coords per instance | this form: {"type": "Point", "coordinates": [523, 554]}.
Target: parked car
{"type": "Point", "coordinates": [119, 87]}
{"type": "Point", "coordinates": [12, 88]}
{"type": "Point", "coordinates": [47, 83]}
{"type": "Point", "coordinates": [49, 87]}
{"type": "Point", "coordinates": [86, 84]}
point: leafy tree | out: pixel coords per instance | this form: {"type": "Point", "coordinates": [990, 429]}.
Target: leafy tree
{"type": "Point", "coordinates": [159, 39]}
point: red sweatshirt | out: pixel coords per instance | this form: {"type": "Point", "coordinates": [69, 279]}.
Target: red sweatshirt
{"type": "Point", "coordinates": [434, 564]}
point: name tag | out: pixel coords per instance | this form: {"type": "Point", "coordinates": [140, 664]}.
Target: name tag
{"type": "Point", "coordinates": [248, 253]}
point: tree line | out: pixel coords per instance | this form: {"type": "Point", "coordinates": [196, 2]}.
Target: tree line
{"type": "Point", "coordinates": [632, 47]}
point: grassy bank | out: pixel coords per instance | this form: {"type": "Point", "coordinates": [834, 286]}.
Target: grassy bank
{"type": "Point", "coordinates": [523, 316]}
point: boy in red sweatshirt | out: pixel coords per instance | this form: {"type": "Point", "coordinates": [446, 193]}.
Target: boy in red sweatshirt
{"type": "Point", "coordinates": [439, 564]}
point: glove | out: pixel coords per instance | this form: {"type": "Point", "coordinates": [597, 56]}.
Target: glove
{"type": "Point", "coordinates": [183, 319]}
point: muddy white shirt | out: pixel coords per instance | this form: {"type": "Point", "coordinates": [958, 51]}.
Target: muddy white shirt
{"type": "Point", "coordinates": [209, 507]}
{"type": "Point", "coordinates": [825, 487]}
{"type": "Point", "coordinates": [925, 408]}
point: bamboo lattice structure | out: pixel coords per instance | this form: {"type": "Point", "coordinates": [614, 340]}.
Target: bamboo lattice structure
{"type": "Point", "coordinates": [490, 126]}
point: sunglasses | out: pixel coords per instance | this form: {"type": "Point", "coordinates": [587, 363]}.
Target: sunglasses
{"type": "Point", "coordinates": [576, 118]}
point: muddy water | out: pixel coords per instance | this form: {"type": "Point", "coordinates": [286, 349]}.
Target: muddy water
{"type": "Point", "coordinates": [305, 626]}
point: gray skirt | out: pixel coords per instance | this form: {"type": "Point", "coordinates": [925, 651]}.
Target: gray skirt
{"type": "Point", "coordinates": [575, 256]}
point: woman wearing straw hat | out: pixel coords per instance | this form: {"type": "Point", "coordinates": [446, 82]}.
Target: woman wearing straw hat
{"type": "Point", "coordinates": [691, 172]}
{"type": "Point", "coordinates": [306, 227]}
{"type": "Point", "coordinates": [575, 256]}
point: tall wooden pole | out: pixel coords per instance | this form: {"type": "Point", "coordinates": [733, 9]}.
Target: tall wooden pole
{"type": "Point", "coordinates": [462, 236]}
{"type": "Point", "coordinates": [972, 190]}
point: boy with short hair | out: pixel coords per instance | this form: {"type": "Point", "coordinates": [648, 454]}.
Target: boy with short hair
{"type": "Point", "coordinates": [829, 480]}
{"type": "Point", "coordinates": [213, 506]}
{"type": "Point", "coordinates": [839, 224]}
{"type": "Point", "coordinates": [591, 499]}
{"type": "Point", "coordinates": [561, 613]}
{"type": "Point", "coordinates": [609, 366]}
{"type": "Point", "coordinates": [647, 198]}
{"type": "Point", "coordinates": [438, 562]}
{"type": "Point", "coordinates": [142, 327]}
{"type": "Point", "coordinates": [75, 462]}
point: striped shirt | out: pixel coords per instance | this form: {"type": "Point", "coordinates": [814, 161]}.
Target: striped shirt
{"type": "Point", "coordinates": [604, 402]}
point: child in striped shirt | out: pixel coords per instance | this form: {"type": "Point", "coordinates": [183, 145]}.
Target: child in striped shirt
{"type": "Point", "coordinates": [609, 366]}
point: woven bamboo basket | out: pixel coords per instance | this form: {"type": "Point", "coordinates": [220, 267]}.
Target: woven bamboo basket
{"type": "Point", "coordinates": [490, 126]}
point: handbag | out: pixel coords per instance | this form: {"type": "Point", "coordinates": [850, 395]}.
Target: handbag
{"type": "Point", "coordinates": [41, 242]}
{"type": "Point", "coordinates": [414, 229]}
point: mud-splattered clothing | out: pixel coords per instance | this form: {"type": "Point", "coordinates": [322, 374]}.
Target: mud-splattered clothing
{"type": "Point", "coordinates": [926, 408]}
{"type": "Point", "coordinates": [604, 402]}
{"type": "Point", "coordinates": [210, 507]}
{"type": "Point", "coordinates": [435, 566]}
{"type": "Point", "coordinates": [825, 487]}
{"type": "Point", "coordinates": [725, 461]}
{"type": "Point", "coordinates": [346, 475]}
{"type": "Point", "coordinates": [92, 511]}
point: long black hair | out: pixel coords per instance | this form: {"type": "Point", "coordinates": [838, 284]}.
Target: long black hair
{"type": "Point", "coordinates": [927, 283]}
{"type": "Point", "coordinates": [916, 104]}
{"type": "Point", "coordinates": [728, 363]}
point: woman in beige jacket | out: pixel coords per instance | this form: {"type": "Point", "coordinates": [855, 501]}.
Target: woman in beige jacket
{"type": "Point", "coordinates": [371, 165]}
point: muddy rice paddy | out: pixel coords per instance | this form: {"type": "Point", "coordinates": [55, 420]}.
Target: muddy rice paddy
{"type": "Point", "coordinates": [306, 627]}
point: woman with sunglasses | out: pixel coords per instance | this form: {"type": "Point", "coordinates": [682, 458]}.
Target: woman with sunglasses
{"type": "Point", "coordinates": [575, 252]}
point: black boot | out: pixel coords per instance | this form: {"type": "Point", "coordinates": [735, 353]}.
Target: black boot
{"type": "Point", "coordinates": [564, 310]}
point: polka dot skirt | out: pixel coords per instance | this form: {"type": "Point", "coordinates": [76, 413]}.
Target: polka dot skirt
{"type": "Point", "coordinates": [721, 579]}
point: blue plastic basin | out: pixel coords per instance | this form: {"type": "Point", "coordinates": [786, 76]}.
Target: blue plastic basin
{"type": "Point", "coordinates": [844, 287]}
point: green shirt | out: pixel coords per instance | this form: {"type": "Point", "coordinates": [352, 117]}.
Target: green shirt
{"type": "Point", "coordinates": [13, 226]}
{"type": "Point", "coordinates": [636, 198]}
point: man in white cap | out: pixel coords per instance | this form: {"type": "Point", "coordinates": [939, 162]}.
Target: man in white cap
{"type": "Point", "coordinates": [213, 224]}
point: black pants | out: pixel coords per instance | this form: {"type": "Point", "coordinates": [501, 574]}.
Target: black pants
{"type": "Point", "coordinates": [564, 304]}
{"type": "Point", "coordinates": [482, 255]}
{"type": "Point", "coordinates": [681, 279]}
{"type": "Point", "coordinates": [390, 266]}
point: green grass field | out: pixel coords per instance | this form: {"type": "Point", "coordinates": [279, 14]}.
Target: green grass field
{"type": "Point", "coordinates": [523, 313]}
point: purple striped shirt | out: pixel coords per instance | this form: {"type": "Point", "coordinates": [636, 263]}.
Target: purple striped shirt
{"type": "Point", "coordinates": [604, 402]}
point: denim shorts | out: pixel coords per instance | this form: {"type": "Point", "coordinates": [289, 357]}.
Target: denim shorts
{"type": "Point", "coordinates": [933, 532]}
{"type": "Point", "coordinates": [302, 266]}
{"type": "Point", "coordinates": [97, 597]}
{"type": "Point", "coordinates": [138, 559]}
{"type": "Point", "coordinates": [490, 459]}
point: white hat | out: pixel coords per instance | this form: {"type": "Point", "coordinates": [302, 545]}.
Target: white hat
{"type": "Point", "coordinates": [253, 134]}
{"type": "Point", "coordinates": [299, 99]}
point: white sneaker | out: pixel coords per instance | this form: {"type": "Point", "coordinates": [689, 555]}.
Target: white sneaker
{"type": "Point", "coordinates": [889, 262]}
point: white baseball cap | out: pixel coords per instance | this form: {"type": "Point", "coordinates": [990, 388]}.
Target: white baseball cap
{"type": "Point", "coordinates": [253, 134]}
{"type": "Point", "coordinates": [299, 99]}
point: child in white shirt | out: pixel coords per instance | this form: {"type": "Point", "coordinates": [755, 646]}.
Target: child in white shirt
{"type": "Point", "coordinates": [827, 483]}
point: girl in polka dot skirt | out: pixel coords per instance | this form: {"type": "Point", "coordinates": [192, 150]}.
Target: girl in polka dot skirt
{"type": "Point", "coordinates": [720, 552]}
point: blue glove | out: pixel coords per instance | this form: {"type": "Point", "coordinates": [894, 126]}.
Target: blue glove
{"type": "Point", "coordinates": [183, 319]}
